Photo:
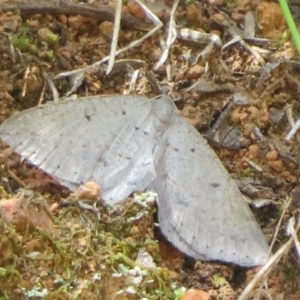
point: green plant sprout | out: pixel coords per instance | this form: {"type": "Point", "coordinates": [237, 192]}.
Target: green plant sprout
{"type": "Point", "coordinates": [53, 38]}
{"type": "Point", "coordinates": [291, 24]}
{"type": "Point", "coordinates": [50, 54]}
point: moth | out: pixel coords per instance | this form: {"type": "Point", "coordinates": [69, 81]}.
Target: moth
{"type": "Point", "coordinates": [131, 143]}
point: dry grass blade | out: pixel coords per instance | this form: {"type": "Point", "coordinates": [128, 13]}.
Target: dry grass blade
{"type": "Point", "coordinates": [273, 261]}
{"type": "Point", "coordinates": [236, 39]}
{"type": "Point", "coordinates": [114, 43]}
{"type": "Point", "coordinates": [293, 231]}
{"type": "Point", "coordinates": [293, 130]}
{"type": "Point", "coordinates": [51, 86]}
{"type": "Point", "coordinates": [172, 34]}
{"type": "Point", "coordinates": [253, 165]}
{"type": "Point", "coordinates": [133, 81]}
{"type": "Point", "coordinates": [265, 270]}
{"type": "Point", "coordinates": [279, 223]}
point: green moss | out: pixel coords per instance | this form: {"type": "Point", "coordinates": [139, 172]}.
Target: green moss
{"type": "Point", "coordinates": [95, 254]}
{"type": "Point", "coordinates": [22, 40]}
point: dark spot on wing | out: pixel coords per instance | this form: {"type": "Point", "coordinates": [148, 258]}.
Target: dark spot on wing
{"type": "Point", "coordinates": [193, 150]}
{"type": "Point", "coordinates": [123, 112]}
{"type": "Point", "coordinates": [99, 159]}
{"type": "Point", "coordinates": [88, 117]}
{"type": "Point", "coordinates": [215, 185]}
{"type": "Point", "coordinates": [164, 176]}
{"type": "Point", "coordinates": [183, 203]}
{"type": "Point", "coordinates": [146, 132]}
{"type": "Point", "coordinates": [137, 128]}
{"type": "Point", "coordinates": [58, 167]}
{"type": "Point", "coordinates": [102, 161]}
{"type": "Point", "coordinates": [176, 150]}
{"type": "Point", "coordinates": [221, 251]}
{"type": "Point", "coordinates": [89, 113]}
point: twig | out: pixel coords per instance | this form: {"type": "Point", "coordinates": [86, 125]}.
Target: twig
{"type": "Point", "coordinates": [212, 40]}
{"type": "Point", "coordinates": [41, 97]}
{"type": "Point", "coordinates": [99, 12]}
{"type": "Point", "coordinates": [16, 179]}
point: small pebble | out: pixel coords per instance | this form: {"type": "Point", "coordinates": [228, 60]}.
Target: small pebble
{"type": "Point", "coordinates": [135, 9]}
{"type": "Point", "coordinates": [63, 19]}
{"type": "Point", "coordinates": [276, 165]}
{"type": "Point", "coordinates": [195, 295]}
{"type": "Point", "coordinates": [106, 28]}
{"type": "Point", "coordinates": [46, 35]}
{"type": "Point", "coordinates": [237, 17]}
{"type": "Point", "coordinates": [134, 230]}
{"type": "Point", "coordinates": [89, 191]}
{"type": "Point", "coordinates": [272, 155]}
{"type": "Point", "coordinates": [194, 15]}
{"type": "Point", "coordinates": [195, 72]}
{"type": "Point", "coordinates": [253, 151]}
{"type": "Point", "coordinates": [75, 21]}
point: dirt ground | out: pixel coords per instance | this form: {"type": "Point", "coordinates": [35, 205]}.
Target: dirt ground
{"type": "Point", "coordinates": [243, 96]}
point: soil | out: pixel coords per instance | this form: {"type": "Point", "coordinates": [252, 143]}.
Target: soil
{"type": "Point", "coordinates": [242, 96]}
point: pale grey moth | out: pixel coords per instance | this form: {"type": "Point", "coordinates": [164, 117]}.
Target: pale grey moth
{"type": "Point", "coordinates": [131, 143]}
